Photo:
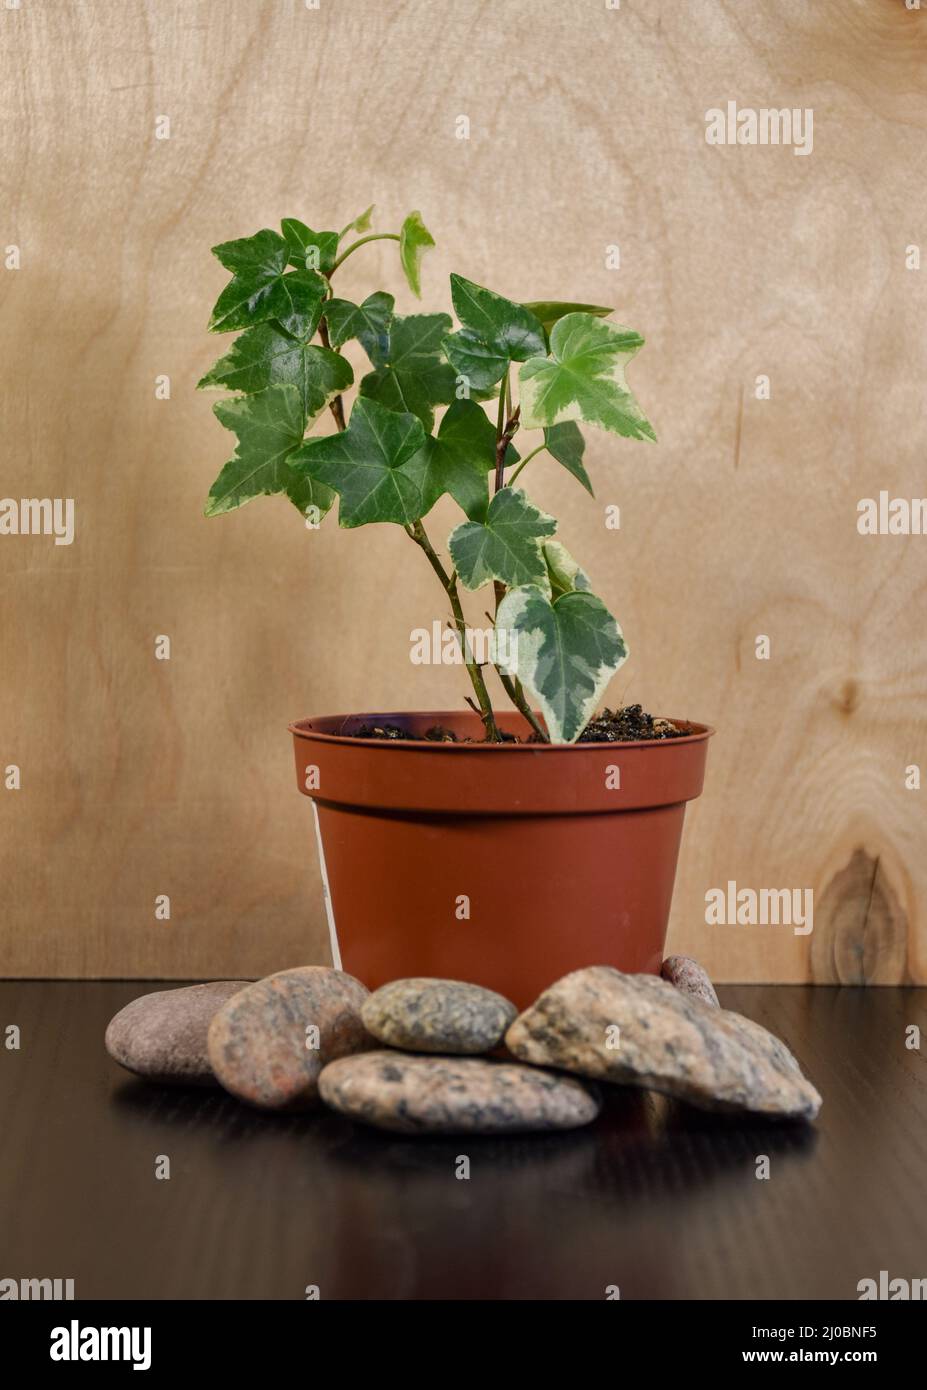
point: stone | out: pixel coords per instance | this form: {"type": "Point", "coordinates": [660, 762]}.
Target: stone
{"type": "Point", "coordinates": [268, 1044]}
{"type": "Point", "coordinates": [686, 974]}
{"type": "Point", "coordinates": [453, 1095]}
{"type": "Point", "coordinates": [639, 1030]}
{"type": "Point", "coordinates": [162, 1036]}
{"type": "Point", "coordinates": [446, 1016]}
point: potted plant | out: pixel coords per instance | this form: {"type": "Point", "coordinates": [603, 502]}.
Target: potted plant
{"type": "Point", "coordinates": [502, 847]}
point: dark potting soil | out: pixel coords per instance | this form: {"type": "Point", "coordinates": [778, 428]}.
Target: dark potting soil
{"type": "Point", "coordinates": [627, 725]}
{"type": "Point", "coordinates": [610, 726]}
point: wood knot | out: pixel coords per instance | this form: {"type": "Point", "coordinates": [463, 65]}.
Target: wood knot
{"type": "Point", "coordinates": [860, 927]}
{"type": "Point", "coordinates": [848, 699]}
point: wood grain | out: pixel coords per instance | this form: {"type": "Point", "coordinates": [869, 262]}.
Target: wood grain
{"type": "Point", "coordinates": [587, 130]}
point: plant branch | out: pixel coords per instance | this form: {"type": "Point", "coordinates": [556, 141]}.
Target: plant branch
{"type": "Point", "coordinates": [503, 440]}
{"type": "Point", "coordinates": [506, 427]}
{"type": "Point", "coordinates": [515, 693]}
{"type": "Point", "coordinates": [449, 584]}
{"type": "Point", "coordinates": [362, 241]}
{"type": "Point", "coordinates": [527, 459]}
{"type": "Point", "coordinates": [500, 419]}
{"type": "Point", "coordinates": [336, 406]}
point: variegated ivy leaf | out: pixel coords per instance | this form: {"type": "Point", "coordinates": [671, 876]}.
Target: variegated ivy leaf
{"type": "Point", "coordinates": [495, 332]}
{"type": "Point", "coordinates": [269, 427]}
{"type": "Point", "coordinates": [368, 322]}
{"type": "Point", "coordinates": [375, 465]}
{"type": "Point", "coordinates": [459, 459]}
{"type": "Point", "coordinates": [584, 378]}
{"type": "Point", "coordinates": [410, 374]}
{"type": "Point", "coordinates": [414, 240]}
{"type": "Point", "coordinates": [566, 443]}
{"type": "Point", "coordinates": [563, 650]}
{"type": "Point", "coordinates": [550, 310]}
{"type": "Point", "coordinates": [308, 249]}
{"type": "Point", "coordinates": [264, 356]}
{"type": "Point", "coordinates": [362, 223]}
{"type": "Point", "coordinates": [506, 546]}
{"type": "Point", "coordinates": [564, 573]}
{"type": "Point", "coordinates": [261, 288]}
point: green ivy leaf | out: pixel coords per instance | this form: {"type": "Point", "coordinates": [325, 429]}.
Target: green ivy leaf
{"type": "Point", "coordinates": [564, 573]}
{"type": "Point", "coordinates": [308, 249]}
{"type": "Point", "coordinates": [414, 240]}
{"type": "Point", "coordinates": [269, 427]}
{"type": "Point", "coordinates": [261, 290]}
{"type": "Point", "coordinates": [459, 458]}
{"type": "Point", "coordinates": [263, 356]}
{"type": "Point", "coordinates": [566, 443]}
{"type": "Point", "coordinates": [372, 465]}
{"type": "Point", "coordinates": [496, 332]}
{"type": "Point", "coordinates": [506, 546]}
{"type": "Point", "coordinates": [368, 322]}
{"type": "Point", "coordinates": [584, 378]}
{"type": "Point", "coordinates": [410, 374]}
{"type": "Point", "coordinates": [550, 310]}
{"type": "Point", "coordinates": [362, 223]}
{"type": "Point", "coordinates": [564, 651]}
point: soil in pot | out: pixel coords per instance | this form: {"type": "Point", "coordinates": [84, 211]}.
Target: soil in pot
{"type": "Point", "coordinates": [628, 725]}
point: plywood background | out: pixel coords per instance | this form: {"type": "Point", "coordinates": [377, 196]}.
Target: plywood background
{"type": "Point", "coordinates": [143, 777]}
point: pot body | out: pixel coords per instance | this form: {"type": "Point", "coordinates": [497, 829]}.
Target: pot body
{"type": "Point", "coordinates": [506, 865]}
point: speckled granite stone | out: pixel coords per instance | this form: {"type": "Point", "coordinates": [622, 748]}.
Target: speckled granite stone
{"type": "Point", "coordinates": [262, 1046]}
{"type": "Point", "coordinates": [446, 1016]}
{"type": "Point", "coordinates": [640, 1030]}
{"type": "Point", "coordinates": [686, 974]}
{"type": "Point", "coordinates": [453, 1095]}
{"type": "Point", "coordinates": [162, 1036]}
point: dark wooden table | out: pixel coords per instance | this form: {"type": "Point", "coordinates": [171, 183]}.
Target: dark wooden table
{"type": "Point", "coordinates": [656, 1198]}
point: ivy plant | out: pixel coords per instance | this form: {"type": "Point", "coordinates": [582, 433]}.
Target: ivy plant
{"type": "Point", "coordinates": [547, 366]}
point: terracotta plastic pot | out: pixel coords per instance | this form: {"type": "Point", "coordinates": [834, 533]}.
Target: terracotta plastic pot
{"type": "Point", "coordinates": [505, 864]}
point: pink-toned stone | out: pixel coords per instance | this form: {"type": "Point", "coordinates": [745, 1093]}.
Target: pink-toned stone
{"type": "Point", "coordinates": [268, 1044]}
{"type": "Point", "coordinates": [416, 1094]}
{"type": "Point", "coordinates": [686, 974]}
{"type": "Point", "coordinates": [162, 1036]}
{"type": "Point", "coordinates": [639, 1030]}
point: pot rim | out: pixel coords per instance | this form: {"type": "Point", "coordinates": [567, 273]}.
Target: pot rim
{"type": "Point", "coordinates": [698, 733]}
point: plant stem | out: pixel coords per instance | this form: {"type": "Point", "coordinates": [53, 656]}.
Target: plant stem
{"type": "Point", "coordinates": [449, 583]}
{"type": "Point", "coordinates": [527, 459]}
{"type": "Point", "coordinates": [506, 427]}
{"type": "Point", "coordinates": [503, 440]}
{"type": "Point", "coordinates": [500, 424]}
{"type": "Point", "coordinates": [362, 241]}
{"type": "Point", "coordinates": [515, 693]}
{"type": "Point", "coordinates": [336, 406]}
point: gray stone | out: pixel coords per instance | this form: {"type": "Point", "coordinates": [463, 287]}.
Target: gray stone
{"type": "Point", "coordinates": [639, 1030]}
{"type": "Point", "coordinates": [268, 1044]}
{"type": "Point", "coordinates": [453, 1095]}
{"type": "Point", "coordinates": [686, 974]}
{"type": "Point", "coordinates": [446, 1016]}
{"type": "Point", "coordinates": [162, 1036]}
